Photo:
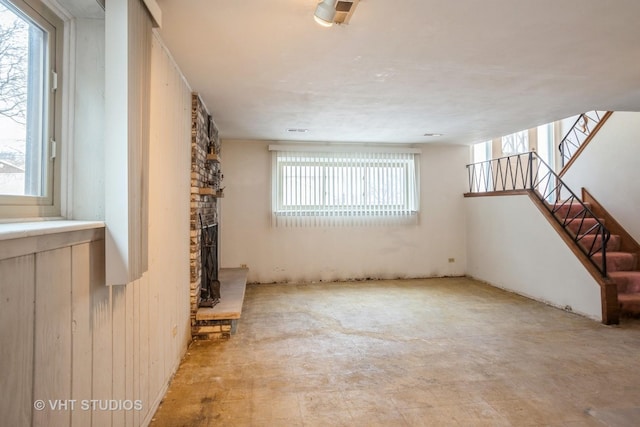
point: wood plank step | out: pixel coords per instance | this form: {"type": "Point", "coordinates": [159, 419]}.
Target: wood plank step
{"type": "Point", "coordinates": [233, 282]}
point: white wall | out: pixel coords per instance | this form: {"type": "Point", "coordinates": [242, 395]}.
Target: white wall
{"type": "Point", "coordinates": [511, 245]}
{"type": "Point", "coordinates": [65, 335]}
{"type": "Point", "coordinates": [313, 254]}
{"type": "Point", "coordinates": [608, 169]}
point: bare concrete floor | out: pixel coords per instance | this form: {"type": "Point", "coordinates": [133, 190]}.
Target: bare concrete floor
{"type": "Point", "coordinates": [441, 352]}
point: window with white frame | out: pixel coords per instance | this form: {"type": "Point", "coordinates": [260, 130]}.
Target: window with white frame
{"type": "Point", "coordinates": [515, 143]}
{"type": "Point", "coordinates": [481, 152]}
{"type": "Point", "coordinates": [480, 177]}
{"type": "Point", "coordinates": [327, 186]}
{"type": "Point", "coordinates": [545, 145]}
{"type": "Point", "coordinates": [30, 48]}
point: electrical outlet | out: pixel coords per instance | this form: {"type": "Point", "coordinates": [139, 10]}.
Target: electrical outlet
{"type": "Point", "coordinates": [452, 260]}
{"type": "Point", "coordinates": [243, 265]}
{"type": "Point", "coordinates": [174, 331]}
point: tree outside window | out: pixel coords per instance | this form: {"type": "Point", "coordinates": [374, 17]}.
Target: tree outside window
{"type": "Point", "coordinates": [22, 101]}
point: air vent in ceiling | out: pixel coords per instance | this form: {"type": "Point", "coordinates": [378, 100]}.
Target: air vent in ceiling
{"type": "Point", "coordinates": [344, 10]}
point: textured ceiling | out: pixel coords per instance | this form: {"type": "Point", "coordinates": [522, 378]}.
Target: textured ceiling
{"type": "Point", "coordinates": [468, 69]}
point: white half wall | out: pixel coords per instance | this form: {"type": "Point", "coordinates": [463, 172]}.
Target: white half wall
{"type": "Point", "coordinates": [608, 169]}
{"type": "Point", "coordinates": [340, 253]}
{"type": "Point", "coordinates": [511, 245]}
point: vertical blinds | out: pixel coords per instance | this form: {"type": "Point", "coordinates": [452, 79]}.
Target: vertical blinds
{"type": "Point", "coordinates": [322, 187]}
{"type": "Point", "coordinates": [140, 32]}
{"type": "Point", "coordinates": [128, 33]}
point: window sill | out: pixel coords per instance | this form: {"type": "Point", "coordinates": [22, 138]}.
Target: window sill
{"type": "Point", "coordinates": [21, 230]}
{"type": "Point", "coordinates": [346, 214]}
{"type": "Point", "coordinates": [27, 238]}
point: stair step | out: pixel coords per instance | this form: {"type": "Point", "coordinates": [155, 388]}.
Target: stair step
{"type": "Point", "coordinates": [568, 210]}
{"type": "Point", "coordinates": [626, 281]}
{"type": "Point", "coordinates": [584, 225]}
{"type": "Point", "coordinates": [593, 242]}
{"type": "Point", "coordinates": [629, 303]}
{"type": "Point", "coordinates": [618, 261]}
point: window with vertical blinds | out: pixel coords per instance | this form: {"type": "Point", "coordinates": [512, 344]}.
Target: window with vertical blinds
{"type": "Point", "coordinates": [324, 186]}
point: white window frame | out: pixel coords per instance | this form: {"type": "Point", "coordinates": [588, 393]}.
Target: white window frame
{"type": "Point", "coordinates": [515, 143]}
{"type": "Point", "coordinates": [481, 153]}
{"type": "Point", "coordinates": [329, 196]}
{"type": "Point", "coordinates": [47, 205]}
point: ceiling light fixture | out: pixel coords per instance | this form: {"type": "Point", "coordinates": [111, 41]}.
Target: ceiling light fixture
{"type": "Point", "coordinates": [298, 130]}
{"type": "Point", "coordinates": [433, 134]}
{"type": "Point", "coordinates": [325, 12]}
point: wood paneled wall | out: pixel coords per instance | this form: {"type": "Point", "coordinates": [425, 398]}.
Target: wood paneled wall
{"type": "Point", "coordinates": [64, 335]}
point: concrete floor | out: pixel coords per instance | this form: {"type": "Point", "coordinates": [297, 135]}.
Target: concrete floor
{"type": "Point", "coordinates": [441, 352]}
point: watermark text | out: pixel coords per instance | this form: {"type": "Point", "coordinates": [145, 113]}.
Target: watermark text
{"type": "Point", "coordinates": [88, 405]}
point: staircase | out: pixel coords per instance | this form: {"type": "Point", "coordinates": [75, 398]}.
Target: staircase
{"type": "Point", "coordinates": [622, 251]}
{"type": "Point", "coordinates": [609, 253]}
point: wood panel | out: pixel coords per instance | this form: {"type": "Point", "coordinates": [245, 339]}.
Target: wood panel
{"type": "Point", "coordinates": [156, 346]}
{"type": "Point", "coordinates": [17, 294]}
{"type": "Point", "coordinates": [11, 248]}
{"type": "Point", "coordinates": [143, 344]}
{"type": "Point", "coordinates": [119, 349]}
{"type": "Point", "coordinates": [102, 370]}
{"type": "Point", "coordinates": [135, 351]}
{"type": "Point", "coordinates": [65, 335]}
{"type": "Point", "coordinates": [82, 338]}
{"type": "Point", "coordinates": [168, 323]}
{"type": "Point", "coordinates": [129, 351]}
{"type": "Point", "coordinates": [52, 355]}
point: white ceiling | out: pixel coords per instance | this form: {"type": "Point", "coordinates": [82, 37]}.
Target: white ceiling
{"type": "Point", "coordinates": [469, 69]}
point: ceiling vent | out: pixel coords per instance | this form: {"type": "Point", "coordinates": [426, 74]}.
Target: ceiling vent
{"type": "Point", "coordinates": [344, 10]}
